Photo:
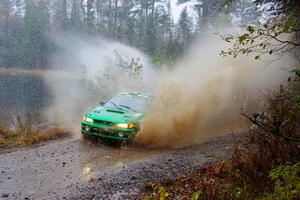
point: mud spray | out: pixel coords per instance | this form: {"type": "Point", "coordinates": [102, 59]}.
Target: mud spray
{"type": "Point", "coordinates": [203, 94]}
{"type": "Point", "coordinates": [92, 70]}
{"type": "Point", "coordinates": [198, 98]}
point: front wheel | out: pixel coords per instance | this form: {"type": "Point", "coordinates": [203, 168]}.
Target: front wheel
{"type": "Point", "coordinates": [117, 143]}
{"type": "Point", "coordinates": [85, 136]}
{"type": "Point", "coordinates": [112, 142]}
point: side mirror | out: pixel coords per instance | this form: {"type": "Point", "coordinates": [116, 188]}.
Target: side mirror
{"type": "Point", "coordinates": [102, 103]}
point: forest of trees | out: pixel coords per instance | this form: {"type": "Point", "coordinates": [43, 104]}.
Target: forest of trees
{"type": "Point", "coordinates": [25, 25]}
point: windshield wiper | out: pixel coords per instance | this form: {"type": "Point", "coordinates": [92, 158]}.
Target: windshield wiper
{"type": "Point", "coordinates": [128, 108]}
{"type": "Point", "coordinates": [116, 105]}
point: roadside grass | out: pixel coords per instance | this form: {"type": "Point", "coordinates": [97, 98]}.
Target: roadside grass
{"type": "Point", "coordinates": [264, 167]}
{"type": "Point", "coordinates": [25, 135]}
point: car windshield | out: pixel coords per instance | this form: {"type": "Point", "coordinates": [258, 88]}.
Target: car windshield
{"type": "Point", "coordinates": [126, 102]}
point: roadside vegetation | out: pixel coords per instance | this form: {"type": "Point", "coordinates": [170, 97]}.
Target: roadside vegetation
{"type": "Point", "coordinates": [26, 135]}
{"type": "Point", "coordinates": [265, 165]}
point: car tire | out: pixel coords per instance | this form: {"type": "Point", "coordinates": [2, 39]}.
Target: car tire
{"type": "Point", "coordinates": [85, 136]}
{"type": "Point", "coordinates": [116, 143]}
{"type": "Point", "coordinates": [88, 138]}
{"type": "Point", "coordinates": [110, 142]}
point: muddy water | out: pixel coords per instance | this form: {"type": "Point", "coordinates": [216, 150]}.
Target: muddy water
{"type": "Point", "coordinates": [75, 169]}
{"type": "Point", "coordinates": [100, 158]}
{"type": "Point", "coordinates": [42, 171]}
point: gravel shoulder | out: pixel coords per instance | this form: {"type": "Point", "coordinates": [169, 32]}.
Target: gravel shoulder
{"type": "Point", "coordinates": [75, 169]}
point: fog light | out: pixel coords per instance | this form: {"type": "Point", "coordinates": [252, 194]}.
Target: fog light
{"type": "Point", "coordinates": [86, 128]}
{"type": "Point", "coordinates": [120, 134]}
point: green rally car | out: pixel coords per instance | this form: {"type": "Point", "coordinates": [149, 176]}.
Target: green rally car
{"type": "Point", "coordinates": [117, 119]}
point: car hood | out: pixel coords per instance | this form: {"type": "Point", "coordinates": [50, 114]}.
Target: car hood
{"type": "Point", "coordinates": [115, 115]}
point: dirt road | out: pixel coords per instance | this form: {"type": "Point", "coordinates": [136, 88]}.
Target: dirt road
{"type": "Point", "coordinates": [76, 169]}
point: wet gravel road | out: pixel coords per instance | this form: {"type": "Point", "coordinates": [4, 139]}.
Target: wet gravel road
{"type": "Point", "coordinates": [76, 169]}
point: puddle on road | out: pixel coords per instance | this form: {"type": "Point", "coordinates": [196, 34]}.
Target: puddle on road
{"type": "Point", "coordinates": [100, 157]}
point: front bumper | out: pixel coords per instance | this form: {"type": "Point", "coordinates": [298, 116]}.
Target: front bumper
{"type": "Point", "coordinates": [107, 132]}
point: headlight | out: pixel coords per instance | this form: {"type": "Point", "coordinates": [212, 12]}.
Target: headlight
{"type": "Point", "coordinates": [125, 125]}
{"type": "Point", "coordinates": [122, 125]}
{"type": "Point", "coordinates": [87, 119]}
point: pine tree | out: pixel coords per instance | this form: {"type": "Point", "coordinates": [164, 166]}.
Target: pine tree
{"type": "Point", "coordinates": [246, 11]}
{"type": "Point", "coordinates": [35, 49]}
{"type": "Point", "coordinates": [185, 25]}
{"type": "Point", "coordinates": [75, 22]}
{"type": "Point", "coordinates": [5, 7]}
{"type": "Point", "coordinates": [61, 15]}
{"type": "Point", "coordinates": [90, 15]}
